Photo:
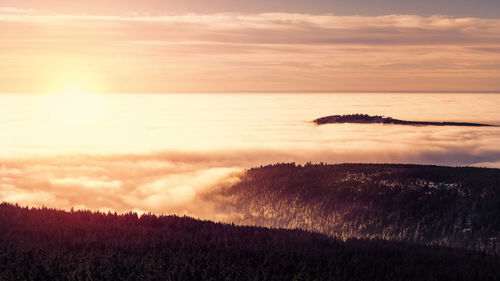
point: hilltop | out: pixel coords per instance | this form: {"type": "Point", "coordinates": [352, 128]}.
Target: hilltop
{"type": "Point", "coordinates": [430, 205]}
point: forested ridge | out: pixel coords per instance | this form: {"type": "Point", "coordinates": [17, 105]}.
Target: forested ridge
{"type": "Point", "coordinates": [367, 119]}
{"type": "Point", "coordinates": [48, 244]}
{"type": "Point", "coordinates": [434, 205]}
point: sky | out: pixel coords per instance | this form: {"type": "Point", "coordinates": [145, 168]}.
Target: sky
{"type": "Point", "coordinates": [249, 46]}
{"type": "Point", "coordinates": [162, 46]}
{"type": "Point", "coordinates": [455, 8]}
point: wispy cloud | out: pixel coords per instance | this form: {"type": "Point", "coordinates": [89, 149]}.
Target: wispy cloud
{"type": "Point", "coordinates": [246, 52]}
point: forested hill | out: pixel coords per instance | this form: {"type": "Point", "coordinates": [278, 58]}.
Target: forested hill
{"type": "Point", "coordinates": [47, 244]}
{"type": "Point", "coordinates": [457, 207]}
{"type": "Point", "coordinates": [377, 119]}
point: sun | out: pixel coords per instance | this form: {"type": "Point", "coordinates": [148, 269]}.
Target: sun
{"type": "Point", "coordinates": [75, 87]}
{"type": "Point", "coordinates": [75, 98]}
{"type": "Point", "coordinates": [75, 81]}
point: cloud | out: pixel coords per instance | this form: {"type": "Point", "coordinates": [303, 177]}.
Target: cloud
{"type": "Point", "coordinates": [271, 28]}
{"type": "Point", "coordinates": [85, 182]}
{"type": "Point", "coordinates": [177, 182]}
{"type": "Point", "coordinates": [160, 183]}
{"type": "Point", "coordinates": [230, 52]}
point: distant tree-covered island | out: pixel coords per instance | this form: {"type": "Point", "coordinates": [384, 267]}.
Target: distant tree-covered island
{"type": "Point", "coordinates": [377, 119]}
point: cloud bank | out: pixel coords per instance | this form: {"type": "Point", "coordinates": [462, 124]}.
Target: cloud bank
{"type": "Point", "coordinates": [177, 182]}
{"type": "Point", "coordinates": [251, 52]}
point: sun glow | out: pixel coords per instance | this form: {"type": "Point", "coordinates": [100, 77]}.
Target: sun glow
{"type": "Point", "coordinates": [75, 99]}
{"type": "Point", "coordinates": [75, 79]}
{"type": "Point", "coordinates": [74, 87]}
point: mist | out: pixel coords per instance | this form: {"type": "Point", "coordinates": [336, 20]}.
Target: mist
{"type": "Point", "coordinates": [165, 153]}
{"type": "Point", "coordinates": [174, 182]}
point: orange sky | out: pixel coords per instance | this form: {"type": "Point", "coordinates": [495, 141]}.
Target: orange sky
{"type": "Point", "coordinates": [49, 52]}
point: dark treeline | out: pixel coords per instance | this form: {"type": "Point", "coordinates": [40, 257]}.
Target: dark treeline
{"type": "Point", "coordinates": [48, 244]}
{"type": "Point", "coordinates": [449, 206]}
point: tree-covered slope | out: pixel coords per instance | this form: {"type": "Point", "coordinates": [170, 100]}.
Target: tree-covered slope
{"type": "Point", "coordinates": [377, 119]}
{"type": "Point", "coordinates": [47, 244]}
{"type": "Point", "coordinates": [452, 206]}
